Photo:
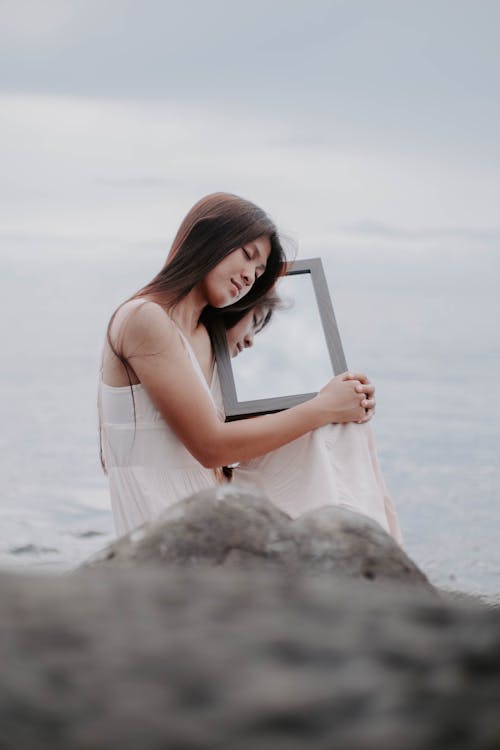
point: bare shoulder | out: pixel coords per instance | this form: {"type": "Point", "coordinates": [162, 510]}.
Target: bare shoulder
{"type": "Point", "coordinates": [143, 326]}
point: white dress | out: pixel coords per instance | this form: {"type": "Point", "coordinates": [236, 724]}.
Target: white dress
{"type": "Point", "coordinates": [333, 465]}
{"type": "Point", "coordinates": [149, 468]}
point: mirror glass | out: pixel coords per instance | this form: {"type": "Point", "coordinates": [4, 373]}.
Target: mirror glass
{"type": "Point", "coordinates": [290, 355]}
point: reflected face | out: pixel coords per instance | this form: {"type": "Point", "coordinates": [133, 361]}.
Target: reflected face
{"type": "Point", "coordinates": [234, 276]}
{"type": "Point", "coordinates": [241, 335]}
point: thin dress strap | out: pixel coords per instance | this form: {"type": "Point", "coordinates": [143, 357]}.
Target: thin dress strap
{"type": "Point", "coordinates": [194, 359]}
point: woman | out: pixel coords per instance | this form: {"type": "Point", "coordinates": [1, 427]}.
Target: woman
{"type": "Point", "coordinates": [162, 436]}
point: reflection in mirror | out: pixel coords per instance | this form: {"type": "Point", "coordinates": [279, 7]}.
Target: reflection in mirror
{"type": "Point", "coordinates": [290, 359]}
{"type": "Point", "coordinates": [290, 355]}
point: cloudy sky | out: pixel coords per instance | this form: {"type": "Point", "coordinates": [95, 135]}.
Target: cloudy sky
{"type": "Point", "coordinates": [352, 122]}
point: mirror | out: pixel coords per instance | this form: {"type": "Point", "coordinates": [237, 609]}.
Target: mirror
{"type": "Point", "coordinates": [290, 354]}
{"type": "Point", "coordinates": [292, 357]}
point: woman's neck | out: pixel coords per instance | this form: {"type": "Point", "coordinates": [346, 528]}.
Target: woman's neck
{"type": "Point", "coordinates": [186, 313]}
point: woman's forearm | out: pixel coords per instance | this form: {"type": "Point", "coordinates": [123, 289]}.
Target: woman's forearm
{"type": "Point", "coordinates": [338, 401]}
{"type": "Point", "coordinates": [248, 438]}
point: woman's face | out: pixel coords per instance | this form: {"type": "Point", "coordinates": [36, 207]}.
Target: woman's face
{"type": "Point", "coordinates": [241, 335]}
{"type": "Point", "coordinates": [234, 275]}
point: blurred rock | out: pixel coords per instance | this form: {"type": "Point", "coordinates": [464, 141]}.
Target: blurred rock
{"type": "Point", "coordinates": [225, 625]}
{"type": "Point", "coordinates": [215, 657]}
{"type": "Point", "coordinates": [229, 526]}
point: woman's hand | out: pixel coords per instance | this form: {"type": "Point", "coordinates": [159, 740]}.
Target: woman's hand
{"type": "Point", "coordinates": [348, 398]}
{"type": "Point", "coordinates": [368, 390]}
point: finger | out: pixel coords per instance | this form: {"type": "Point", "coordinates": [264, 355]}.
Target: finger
{"type": "Point", "coordinates": [369, 389]}
{"type": "Point", "coordinates": [368, 403]}
{"type": "Point", "coordinates": [357, 376]}
{"type": "Point", "coordinates": [367, 417]}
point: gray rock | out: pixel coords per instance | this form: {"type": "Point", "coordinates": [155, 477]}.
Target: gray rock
{"type": "Point", "coordinates": [211, 657]}
{"type": "Point", "coordinates": [229, 526]}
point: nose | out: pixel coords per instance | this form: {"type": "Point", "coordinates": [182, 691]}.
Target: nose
{"type": "Point", "coordinates": [247, 278]}
{"type": "Point", "coordinates": [249, 274]}
{"type": "Point", "coordinates": [248, 340]}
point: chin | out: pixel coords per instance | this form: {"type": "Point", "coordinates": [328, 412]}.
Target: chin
{"type": "Point", "coordinates": [220, 303]}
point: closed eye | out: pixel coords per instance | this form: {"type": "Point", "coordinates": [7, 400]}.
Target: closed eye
{"type": "Point", "coordinates": [257, 324]}
{"type": "Point", "coordinates": [261, 268]}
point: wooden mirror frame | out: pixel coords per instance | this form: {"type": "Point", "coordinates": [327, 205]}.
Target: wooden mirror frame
{"type": "Point", "coordinates": [235, 409]}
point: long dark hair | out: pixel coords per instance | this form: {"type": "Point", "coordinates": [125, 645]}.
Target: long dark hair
{"type": "Point", "coordinates": [230, 316]}
{"type": "Point", "coordinates": [215, 226]}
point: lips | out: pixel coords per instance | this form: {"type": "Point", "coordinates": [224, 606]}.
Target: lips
{"type": "Point", "coordinates": [238, 286]}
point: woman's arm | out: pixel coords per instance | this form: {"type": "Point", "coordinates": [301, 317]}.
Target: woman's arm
{"type": "Point", "coordinates": [151, 343]}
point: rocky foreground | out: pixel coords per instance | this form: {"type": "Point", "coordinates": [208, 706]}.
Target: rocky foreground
{"type": "Point", "coordinates": [227, 625]}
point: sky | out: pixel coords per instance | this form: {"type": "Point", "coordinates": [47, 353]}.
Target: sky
{"type": "Point", "coordinates": [354, 123]}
